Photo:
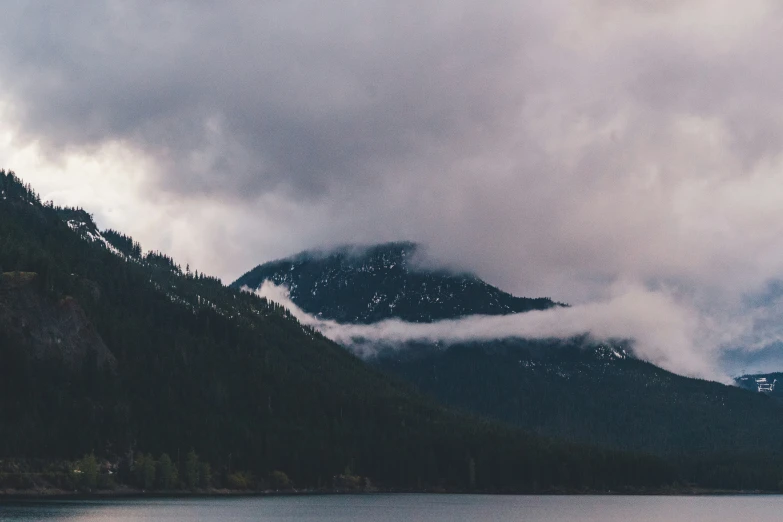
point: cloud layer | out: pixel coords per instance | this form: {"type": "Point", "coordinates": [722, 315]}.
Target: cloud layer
{"type": "Point", "coordinates": [556, 148]}
{"type": "Point", "coordinates": [664, 331]}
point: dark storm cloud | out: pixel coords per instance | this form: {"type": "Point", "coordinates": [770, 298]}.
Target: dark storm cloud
{"type": "Point", "coordinates": [243, 97]}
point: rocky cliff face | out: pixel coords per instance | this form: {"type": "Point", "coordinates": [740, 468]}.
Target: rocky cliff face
{"type": "Point", "coordinates": [46, 328]}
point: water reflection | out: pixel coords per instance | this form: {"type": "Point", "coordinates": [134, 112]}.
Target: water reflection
{"type": "Point", "coordinates": [415, 508]}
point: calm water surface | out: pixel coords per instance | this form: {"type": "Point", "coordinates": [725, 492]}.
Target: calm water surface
{"type": "Point", "coordinates": [424, 508]}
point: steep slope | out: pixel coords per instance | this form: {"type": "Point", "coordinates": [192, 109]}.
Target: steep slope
{"type": "Point", "coordinates": [365, 285]}
{"type": "Point", "coordinates": [105, 349]}
{"type": "Point", "coordinates": [593, 393]}
{"type": "Point", "coordinates": [576, 389]}
{"type": "Point", "coordinates": [54, 329]}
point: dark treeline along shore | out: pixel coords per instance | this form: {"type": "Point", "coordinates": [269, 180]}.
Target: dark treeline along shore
{"type": "Point", "coordinates": [118, 367]}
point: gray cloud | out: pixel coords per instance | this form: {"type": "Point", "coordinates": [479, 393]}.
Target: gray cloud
{"type": "Point", "coordinates": [663, 331]}
{"type": "Point", "coordinates": [245, 97]}
{"type": "Point", "coordinates": [555, 148]}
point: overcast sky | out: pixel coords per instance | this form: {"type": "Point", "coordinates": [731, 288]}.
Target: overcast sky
{"type": "Point", "coordinates": [558, 148]}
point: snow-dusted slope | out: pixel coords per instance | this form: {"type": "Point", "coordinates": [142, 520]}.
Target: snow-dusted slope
{"type": "Point", "coordinates": [81, 222]}
{"type": "Point", "coordinates": [365, 285]}
{"type": "Point", "coordinates": [192, 291]}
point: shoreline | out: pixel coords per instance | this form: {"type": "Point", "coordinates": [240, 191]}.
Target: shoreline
{"type": "Point", "coordinates": [23, 496]}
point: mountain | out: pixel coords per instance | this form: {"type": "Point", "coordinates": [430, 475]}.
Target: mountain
{"type": "Point", "coordinates": [578, 389]}
{"type": "Point", "coordinates": [585, 391]}
{"type": "Point", "coordinates": [770, 384]}
{"type": "Point", "coordinates": [368, 284]}
{"type": "Point", "coordinates": [109, 350]}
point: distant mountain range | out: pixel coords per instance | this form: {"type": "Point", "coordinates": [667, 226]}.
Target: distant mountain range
{"type": "Point", "coordinates": [579, 389]}
{"type": "Point", "coordinates": [368, 284]}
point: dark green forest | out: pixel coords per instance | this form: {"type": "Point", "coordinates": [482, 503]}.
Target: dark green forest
{"type": "Point", "coordinates": [594, 393]}
{"type": "Point", "coordinates": [108, 354]}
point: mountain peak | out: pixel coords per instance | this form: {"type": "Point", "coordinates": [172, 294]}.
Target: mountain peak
{"type": "Point", "coordinates": [370, 283]}
{"type": "Point", "coordinates": [401, 252]}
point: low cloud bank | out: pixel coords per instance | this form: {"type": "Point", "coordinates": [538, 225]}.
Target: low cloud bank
{"type": "Point", "coordinates": [664, 330]}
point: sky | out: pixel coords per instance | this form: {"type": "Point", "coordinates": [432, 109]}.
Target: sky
{"type": "Point", "coordinates": [598, 151]}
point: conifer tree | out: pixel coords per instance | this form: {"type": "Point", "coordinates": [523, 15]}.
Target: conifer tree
{"type": "Point", "coordinates": [167, 472]}
{"type": "Point", "coordinates": [89, 471]}
{"type": "Point", "coordinates": [191, 470]}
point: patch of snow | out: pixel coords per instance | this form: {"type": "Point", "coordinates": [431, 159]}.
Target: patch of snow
{"type": "Point", "coordinates": [80, 227]}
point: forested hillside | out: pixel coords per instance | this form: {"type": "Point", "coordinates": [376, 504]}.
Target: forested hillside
{"type": "Point", "coordinates": [110, 351]}
{"type": "Point", "coordinates": [597, 393]}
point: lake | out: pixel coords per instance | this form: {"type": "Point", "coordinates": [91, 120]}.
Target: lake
{"type": "Point", "coordinates": [423, 508]}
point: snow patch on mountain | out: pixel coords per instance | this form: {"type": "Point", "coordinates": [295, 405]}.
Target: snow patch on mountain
{"type": "Point", "coordinates": [94, 236]}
